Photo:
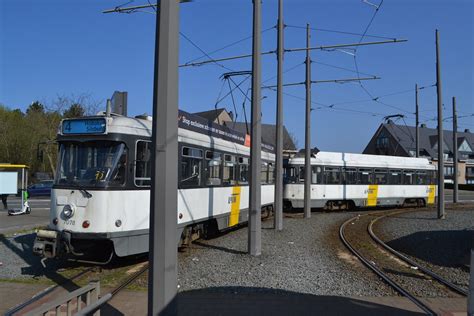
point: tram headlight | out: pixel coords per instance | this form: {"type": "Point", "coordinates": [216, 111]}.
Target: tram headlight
{"type": "Point", "coordinates": [68, 211]}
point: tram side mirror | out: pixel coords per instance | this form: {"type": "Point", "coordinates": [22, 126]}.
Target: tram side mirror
{"type": "Point", "coordinates": [39, 155]}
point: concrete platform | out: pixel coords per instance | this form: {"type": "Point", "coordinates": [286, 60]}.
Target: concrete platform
{"type": "Point", "coordinates": [222, 301]}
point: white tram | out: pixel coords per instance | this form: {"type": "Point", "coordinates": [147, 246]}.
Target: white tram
{"type": "Point", "coordinates": [345, 181]}
{"type": "Point", "coordinates": [101, 196]}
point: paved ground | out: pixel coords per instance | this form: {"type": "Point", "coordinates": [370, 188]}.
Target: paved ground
{"type": "Point", "coordinates": [39, 215]}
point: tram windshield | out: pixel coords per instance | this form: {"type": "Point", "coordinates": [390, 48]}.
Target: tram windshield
{"type": "Point", "coordinates": [96, 164]}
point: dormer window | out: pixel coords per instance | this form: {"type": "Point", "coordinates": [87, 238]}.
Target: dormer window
{"type": "Point", "coordinates": [465, 147]}
{"type": "Point", "coordinates": [381, 141]}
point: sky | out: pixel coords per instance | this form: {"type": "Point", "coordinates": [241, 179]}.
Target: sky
{"type": "Point", "coordinates": [63, 48]}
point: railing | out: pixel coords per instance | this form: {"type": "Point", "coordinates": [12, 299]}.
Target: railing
{"type": "Point", "coordinates": [71, 301]}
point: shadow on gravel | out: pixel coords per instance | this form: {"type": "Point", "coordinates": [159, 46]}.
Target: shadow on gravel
{"type": "Point", "coordinates": [22, 246]}
{"type": "Point", "coordinates": [231, 301]}
{"type": "Point", "coordinates": [232, 251]}
{"type": "Point", "coordinates": [448, 248]}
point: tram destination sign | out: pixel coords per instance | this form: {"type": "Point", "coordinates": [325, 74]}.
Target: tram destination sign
{"type": "Point", "coordinates": [84, 126]}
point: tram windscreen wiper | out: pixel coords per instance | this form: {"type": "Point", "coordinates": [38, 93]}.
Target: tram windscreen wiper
{"type": "Point", "coordinates": [85, 193]}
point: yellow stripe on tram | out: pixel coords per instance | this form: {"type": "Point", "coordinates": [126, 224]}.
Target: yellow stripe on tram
{"type": "Point", "coordinates": [372, 195]}
{"type": "Point", "coordinates": [235, 206]}
{"type": "Point", "coordinates": [431, 193]}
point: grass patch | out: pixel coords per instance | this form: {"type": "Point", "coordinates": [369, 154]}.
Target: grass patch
{"type": "Point", "coordinates": [22, 232]}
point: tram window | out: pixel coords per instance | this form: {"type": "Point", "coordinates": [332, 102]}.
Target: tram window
{"type": "Point", "coordinates": [119, 174]}
{"type": "Point", "coordinates": [365, 176]}
{"type": "Point", "coordinates": [350, 176]}
{"type": "Point", "coordinates": [332, 175]}
{"type": "Point", "coordinates": [229, 170]}
{"type": "Point", "coordinates": [301, 174]}
{"type": "Point", "coordinates": [289, 175]}
{"type": "Point", "coordinates": [421, 177]}
{"type": "Point", "coordinates": [434, 177]}
{"type": "Point", "coordinates": [271, 173]}
{"type": "Point", "coordinates": [408, 176]}
{"type": "Point", "coordinates": [395, 177]}
{"type": "Point", "coordinates": [190, 172]}
{"type": "Point", "coordinates": [243, 170]}
{"type": "Point", "coordinates": [264, 173]}
{"type": "Point", "coordinates": [316, 174]}
{"type": "Point", "coordinates": [192, 152]}
{"type": "Point", "coordinates": [380, 176]}
{"type": "Point", "coordinates": [143, 164]}
{"type": "Point", "coordinates": [213, 169]}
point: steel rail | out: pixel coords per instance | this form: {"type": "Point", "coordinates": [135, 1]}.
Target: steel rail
{"type": "Point", "coordinates": [45, 292]}
{"type": "Point", "coordinates": [110, 295]}
{"type": "Point", "coordinates": [424, 307]}
{"type": "Point", "coordinates": [411, 262]}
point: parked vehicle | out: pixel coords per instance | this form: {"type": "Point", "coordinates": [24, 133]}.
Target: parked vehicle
{"type": "Point", "coordinates": [42, 188]}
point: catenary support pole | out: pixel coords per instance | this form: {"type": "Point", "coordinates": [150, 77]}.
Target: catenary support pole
{"type": "Point", "coordinates": [162, 277]}
{"type": "Point", "coordinates": [417, 123]}
{"type": "Point", "coordinates": [278, 221]}
{"type": "Point", "coordinates": [441, 214]}
{"type": "Point", "coordinates": [255, 220]}
{"type": "Point", "coordinates": [455, 152]}
{"type": "Point", "coordinates": [307, 151]}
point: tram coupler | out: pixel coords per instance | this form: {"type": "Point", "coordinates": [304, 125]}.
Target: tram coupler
{"type": "Point", "coordinates": [46, 243]}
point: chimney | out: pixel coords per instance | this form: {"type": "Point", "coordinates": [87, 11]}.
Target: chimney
{"type": "Point", "coordinates": [467, 130]}
{"type": "Point", "coordinates": [119, 102]}
{"type": "Point", "coordinates": [231, 114]}
{"type": "Point", "coordinates": [423, 125]}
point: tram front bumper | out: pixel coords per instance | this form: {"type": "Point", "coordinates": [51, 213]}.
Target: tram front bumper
{"type": "Point", "coordinates": [51, 244]}
{"type": "Point", "coordinates": [46, 243]}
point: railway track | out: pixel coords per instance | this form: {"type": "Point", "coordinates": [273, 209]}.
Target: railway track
{"type": "Point", "coordinates": [42, 297]}
{"type": "Point", "coordinates": [393, 267]}
{"type": "Point", "coordinates": [37, 297]}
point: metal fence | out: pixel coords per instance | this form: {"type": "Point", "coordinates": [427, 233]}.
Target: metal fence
{"type": "Point", "coordinates": [71, 302]}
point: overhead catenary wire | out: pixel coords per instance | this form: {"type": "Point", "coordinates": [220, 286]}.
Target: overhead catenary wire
{"type": "Point", "coordinates": [202, 51]}
{"type": "Point", "coordinates": [323, 47]}
{"type": "Point", "coordinates": [227, 46]}
{"type": "Point", "coordinates": [339, 32]}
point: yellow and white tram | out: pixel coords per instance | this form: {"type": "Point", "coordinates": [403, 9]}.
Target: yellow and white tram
{"type": "Point", "coordinates": [344, 181]}
{"type": "Point", "coordinates": [101, 195]}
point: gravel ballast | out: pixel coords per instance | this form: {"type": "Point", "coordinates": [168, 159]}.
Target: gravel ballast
{"type": "Point", "coordinates": [306, 257]}
{"type": "Point", "coordinates": [440, 245]}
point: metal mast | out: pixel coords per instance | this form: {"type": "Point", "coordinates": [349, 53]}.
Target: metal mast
{"type": "Point", "coordinates": [455, 152]}
{"type": "Point", "coordinates": [164, 187]}
{"type": "Point", "coordinates": [441, 214]}
{"type": "Point", "coordinates": [417, 123]}
{"type": "Point", "coordinates": [255, 220]}
{"type": "Point", "coordinates": [278, 224]}
{"type": "Point", "coordinates": [307, 153]}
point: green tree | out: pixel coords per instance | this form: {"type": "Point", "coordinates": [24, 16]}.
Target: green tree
{"type": "Point", "coordinates": [35, 107]}
{"type": "Point", "coordinates": [75, 110]}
